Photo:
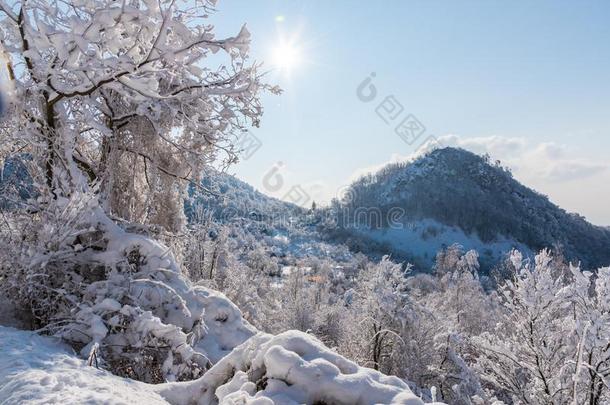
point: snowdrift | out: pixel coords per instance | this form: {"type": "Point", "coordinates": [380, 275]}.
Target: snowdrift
{"type": "Point", "coordinates": [40, 370]}
{"type": "Point", "coordinates": [291, 368]}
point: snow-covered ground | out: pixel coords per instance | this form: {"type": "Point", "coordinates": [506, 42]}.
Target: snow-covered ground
{"type": "Point", "coordinates": [423, 239]}
{"type": "Point", "coordinates": [40, 370]}
{"type": "Point", "coordinates": [291, 368]}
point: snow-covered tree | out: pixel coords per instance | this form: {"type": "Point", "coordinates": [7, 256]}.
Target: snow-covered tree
{"type": "Point", "coordinates": [451, 307]}
{"type": "Point", "coordinates": [118, 97]}
{"type": "Point", "coordinates": [117, 108]}
{"type": "Point", "coordinates": [378, 310]}
{"type": "Point", "coordinates": [532, 353]}
{"type": "Point", "coordinates": [588, 322]}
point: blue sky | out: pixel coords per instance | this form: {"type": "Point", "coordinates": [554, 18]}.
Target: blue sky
{"type": "Point", "coordinates": [528, 82]}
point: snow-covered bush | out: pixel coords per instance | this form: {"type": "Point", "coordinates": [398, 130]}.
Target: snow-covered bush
{"type": "Point", "coordinates": [118, 293]}
{"type": "Point", "coordinates": [44, 268]}
{"type": "Point", "coordinates": [290, 368]}
{"type": "Point", "coordinates": [551, 345]}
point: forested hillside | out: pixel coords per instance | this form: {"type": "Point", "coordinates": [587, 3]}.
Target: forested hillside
{"type": "Point", "coordinates": [456, 188]}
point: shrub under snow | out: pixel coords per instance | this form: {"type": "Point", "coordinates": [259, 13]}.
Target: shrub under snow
{"type": "Point", "coordinates": [121, 299]}
{"type": "Point", "coordinates": [290, 368]}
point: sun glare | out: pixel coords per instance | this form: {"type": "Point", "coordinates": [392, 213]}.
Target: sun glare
{"type": "Point", "coordinates": [286, 56]}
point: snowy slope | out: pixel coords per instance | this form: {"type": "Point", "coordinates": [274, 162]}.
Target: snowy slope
{"type": "Point", "coordinates": [39, 370]}
{"type": "Point", "coordinates": [422, 240]}
{"type": "Point", "coordinates": [283, 228]}
{"type": "Point", "coordinates": [291, 368]}
{"type": "Point", "coordinates": [232, 198]}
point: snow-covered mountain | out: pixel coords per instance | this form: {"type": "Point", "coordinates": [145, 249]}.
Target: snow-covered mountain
{"type": "Point", "coordinates": [282, 228]}
{"type": "Point", "coordinates": [227, 197]}
{"type": "Point", "coordinates": [452, 195]}
{"type": "Point", "coordinates": [412, 210]}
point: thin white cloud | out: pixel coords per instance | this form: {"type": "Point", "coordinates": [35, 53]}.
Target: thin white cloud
{"type": "Point", "coordinates": [496, 146]}
{"type": "Point", "coordinates": [546, 161]}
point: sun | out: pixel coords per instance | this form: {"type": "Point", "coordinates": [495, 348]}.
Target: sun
{"type": "Point", "coordinates": [286, 56]}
